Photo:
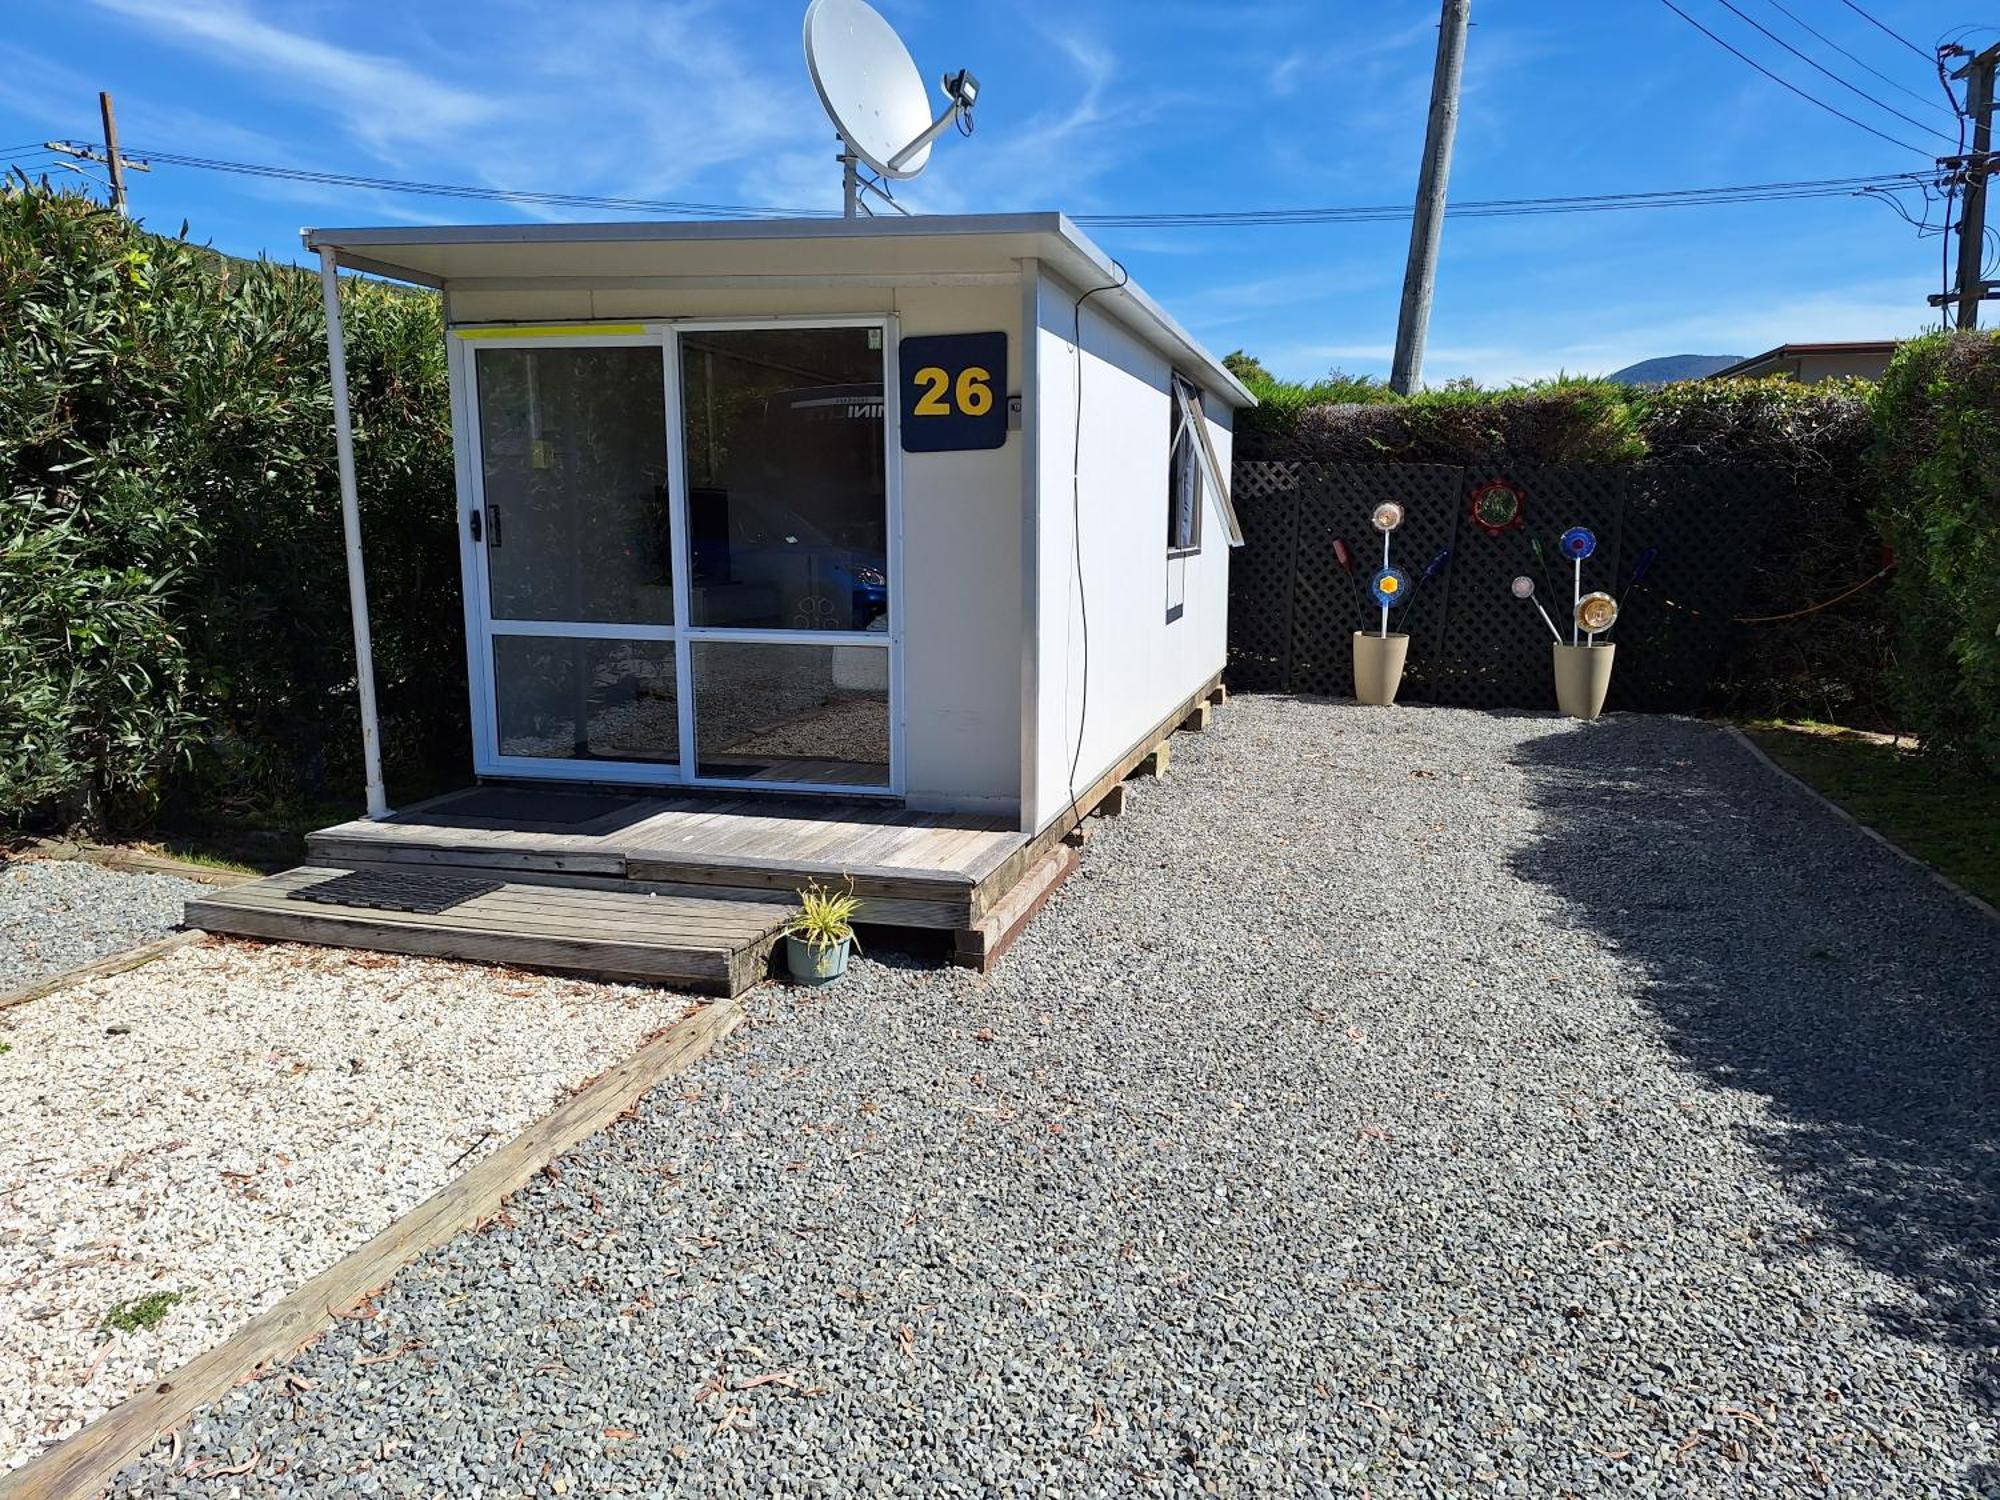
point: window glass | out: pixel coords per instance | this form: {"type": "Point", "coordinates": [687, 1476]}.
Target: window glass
{"type": "Point", "coordinates": [816, 714]}
{"type": "Point", "coordinates": [1183, 470]}
{"type": "Point", "coordinates": [570, 698]}
{"type": "Point", "coordinates": [788, 509]}
{"type": "Point", "coordinates": [573, 452]}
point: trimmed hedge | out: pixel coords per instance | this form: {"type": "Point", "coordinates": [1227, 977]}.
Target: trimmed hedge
{"type": "Point", "coordinates": [173, 605]}
{"type": "Point", "coordinates": [1938, 455]}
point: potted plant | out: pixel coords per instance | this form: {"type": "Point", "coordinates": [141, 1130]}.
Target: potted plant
{"type": "Point", "coordinates": [820, 934]}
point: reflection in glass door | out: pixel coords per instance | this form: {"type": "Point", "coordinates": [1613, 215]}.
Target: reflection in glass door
{"type": "Point", "coordinates": [789, 604]}
{"type": "Point", "coordinates": [577, 539]}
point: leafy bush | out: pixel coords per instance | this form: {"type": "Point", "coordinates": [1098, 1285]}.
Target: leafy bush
{"type": "Point", "coordinates": [1938, 457]}
{"type": "Point", "coordinates": [173, 603]}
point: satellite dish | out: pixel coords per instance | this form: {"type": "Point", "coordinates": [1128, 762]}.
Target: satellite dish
{"type": "Point", "coordinates": [871, 90]}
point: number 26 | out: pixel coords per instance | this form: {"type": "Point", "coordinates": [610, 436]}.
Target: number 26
{"type": "Point", "coordinates": [974, 392]}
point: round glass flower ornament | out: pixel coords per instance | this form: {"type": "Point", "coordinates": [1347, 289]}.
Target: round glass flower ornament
{"type": "Point", "coordinates": [1390, 586]}
{"type": "Point", "coordinates": [1578, 543]}
{"type": "Point", "coordinates": [1523, 587]}
{"type": "Point", "coordinates": [1596, 613]}
{"type": "Point", "coordinates": [1388, 516]}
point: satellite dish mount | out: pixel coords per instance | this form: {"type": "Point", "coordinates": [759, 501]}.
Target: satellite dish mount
{"type": "Point", "coordinates": [871, 90]}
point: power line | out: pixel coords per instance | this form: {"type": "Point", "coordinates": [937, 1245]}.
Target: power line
{"type": "Point", "coordinates": [1786, 83]}
{"type": "Point", "coordinates": [1763, 192]}
{"type": "Point", "coordinates": [1857, 61]}
{"type": "Point", "coordinates": [1888, 30]}
{"type": "Point", "coordinates": [1831, 187]}
{"type": "Point", "coordinates": [1730, 6]}
{"type": "Point", "coordinates": [460, 190]}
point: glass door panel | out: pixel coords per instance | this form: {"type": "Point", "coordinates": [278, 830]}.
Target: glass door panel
{"type": "Point", "coordinates": [573, 461]}
{"type": "Point", "coordinates": [808, 715]}
{"type": "Point", "coordinates": [788, 515]}
{"type": "Point", "coordinates": [584, 698]}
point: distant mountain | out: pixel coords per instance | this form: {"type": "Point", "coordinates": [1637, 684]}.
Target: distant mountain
{"type": "Point", "coordinates": [1674, 367]}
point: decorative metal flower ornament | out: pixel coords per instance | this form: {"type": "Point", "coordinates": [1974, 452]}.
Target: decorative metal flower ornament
{"type": "Point", "coordinates": [1390, 586]}
{"type": "Point", "coordinates": [1596, 613]}
{"type": "Point", "coordinates": [1496, 506]}
{"type": "Point", "coordinates": [1388, 516]}
{"type": "Point", "coordinates": [1578, 543]}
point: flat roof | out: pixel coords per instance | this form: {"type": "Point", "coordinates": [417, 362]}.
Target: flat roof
{"type": "Point", "coordinates": [940, 247]}
{"type": "Point", "coordinates": [1788, 351]}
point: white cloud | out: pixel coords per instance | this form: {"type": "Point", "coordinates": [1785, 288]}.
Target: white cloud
{"type": "Point", "coordinates": [382, 100]}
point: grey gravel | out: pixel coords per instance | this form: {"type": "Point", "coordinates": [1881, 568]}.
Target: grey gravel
{"type": "Point", "coordinates": [1403, 1102]}
{"type": "Point", "coordinates": [56, 914]}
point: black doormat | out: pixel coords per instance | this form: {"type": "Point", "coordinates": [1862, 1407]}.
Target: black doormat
{"type": "Point", "coordinates": [392, 890]}
{"type": "Point", "coordinates": [533, 808]}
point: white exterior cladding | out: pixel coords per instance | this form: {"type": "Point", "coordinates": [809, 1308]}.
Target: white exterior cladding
{"type": "Point", "coordinates": [996, 684]}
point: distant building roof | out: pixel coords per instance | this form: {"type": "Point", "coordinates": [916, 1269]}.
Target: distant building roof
{"type": "Point", "coordinates": [1809, 362]}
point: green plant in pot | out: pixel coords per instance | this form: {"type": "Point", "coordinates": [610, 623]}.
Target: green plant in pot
{"type": "Point", "coordinates": [820, 934]}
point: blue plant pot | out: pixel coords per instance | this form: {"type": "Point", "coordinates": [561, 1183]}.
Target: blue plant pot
{"type": "Point", "coordinates": [810, 965]}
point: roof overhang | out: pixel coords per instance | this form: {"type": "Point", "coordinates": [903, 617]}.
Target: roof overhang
{"type": "Point", "coordinates": [955, 249]}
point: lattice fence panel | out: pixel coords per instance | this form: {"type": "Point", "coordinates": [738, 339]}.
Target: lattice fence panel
{"type": "Point", "coordinates": [1261, 574]}
{"type": "Point", "coordinates": [1293, 611]}
{"type": "Point", "coordinates": [1495, 651]}
{"type": "Point", "coordinates": [1337, 500]}
{"type": "Point", "coordinates": [1708, 524]}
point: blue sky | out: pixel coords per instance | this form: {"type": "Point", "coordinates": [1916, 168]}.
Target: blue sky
{"type": "Point", "coordinates": [1089, 107]}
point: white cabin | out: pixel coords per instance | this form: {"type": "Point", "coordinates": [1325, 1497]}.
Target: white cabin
{"type": "Point", "coordinates": [927, 510]}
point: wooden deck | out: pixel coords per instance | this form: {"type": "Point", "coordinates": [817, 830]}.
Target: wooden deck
{"type": "Point", "coordinates": [715, 946]}
{"type": "Point", "coordinates": [910, 869]}
{"type": "Point", "coordinates": [682, 889]}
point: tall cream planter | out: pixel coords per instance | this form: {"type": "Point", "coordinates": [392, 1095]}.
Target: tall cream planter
{"type": "Point", "coordinates": [1583, 677]}
{"type": "Point", "coordinates": [1378, 666]}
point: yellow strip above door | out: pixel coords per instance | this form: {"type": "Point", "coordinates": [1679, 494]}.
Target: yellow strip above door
{"type": "Point", "coordinates": [550, 331]}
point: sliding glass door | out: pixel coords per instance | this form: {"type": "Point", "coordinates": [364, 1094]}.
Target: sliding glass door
{"type": "Point", "coordinates": [681, 549]}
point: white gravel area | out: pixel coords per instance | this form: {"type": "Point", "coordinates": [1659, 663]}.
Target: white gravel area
{"type": "Point", "coordinates": [227, 1121]}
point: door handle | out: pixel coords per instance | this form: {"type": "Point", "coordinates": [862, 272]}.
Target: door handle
{"type": "Point", "coordinates": [472, 521]}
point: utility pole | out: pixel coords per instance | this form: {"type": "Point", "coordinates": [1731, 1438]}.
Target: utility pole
{"type": "Point", "coordinates": [1978, 75]}
{"type": "Point", "coordinates": [1420, 275]}
{"type": "Point", "coordinates": [111, 156]}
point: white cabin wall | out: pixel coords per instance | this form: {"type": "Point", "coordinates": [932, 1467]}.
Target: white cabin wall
{"type": "Point", "coordinates": [962, 626]}
{"type": "Point", "coordinates": [1138, 666]}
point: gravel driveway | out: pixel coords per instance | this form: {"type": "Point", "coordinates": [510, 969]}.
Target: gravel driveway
{"type": "Point", "coordinates": [1397, 1103]}
{"type": "Point", "coordinates": [56, 914]}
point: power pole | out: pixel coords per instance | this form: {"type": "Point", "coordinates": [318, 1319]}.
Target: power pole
{"type": "Point", "coordinates": [1420, 275]}
{"type": "Point", "coordinates": [1978, 75]}
{"type": "Point", "coordinates": [111, 156]}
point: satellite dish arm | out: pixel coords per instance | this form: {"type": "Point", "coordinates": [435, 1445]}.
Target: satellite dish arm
{"type": "Point", "coordinates": [963, 89]}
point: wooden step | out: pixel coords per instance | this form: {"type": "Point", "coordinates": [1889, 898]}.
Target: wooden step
{"type": "Point", "coordinates": [715, 946]}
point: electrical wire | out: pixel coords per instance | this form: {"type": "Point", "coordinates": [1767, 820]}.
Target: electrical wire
{"type": "Point", "coordinates": [1856, 89]}
{"type": "Point", "coordinates": [1886, 29]}
{"type": "Point", "coordinates": [1851, 57]}
{"type": "Point", "coordinates": [1835, 187]}
{"type": "Point", "coordinates": [1787, 83]}
{"type": "Point", "coordinates": [461, 190]}
{"type": "Point", "coordinates": [1488, 208]}
{"type": "Point", "coordinates": [1076, 526]}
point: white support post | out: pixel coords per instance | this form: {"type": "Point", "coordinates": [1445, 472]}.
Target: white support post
{"type": "Point", "coordinates": [350, 525]}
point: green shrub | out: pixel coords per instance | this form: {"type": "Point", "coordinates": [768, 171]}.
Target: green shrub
{"type": "Point", "coordinates": [1938, 458]}
{"type": "Point", "coordinates": [173, 600]}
